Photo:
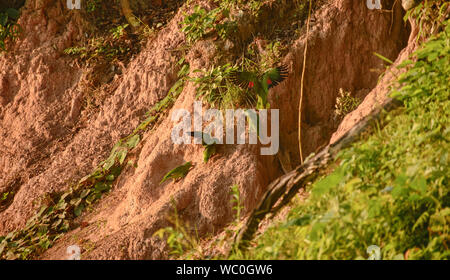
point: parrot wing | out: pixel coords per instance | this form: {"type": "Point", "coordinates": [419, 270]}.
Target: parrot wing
{"type": "Point", "coordinates": [208, 152]}
{"type": "Point", "coordinates": [244, 79]}
{"type": "Point", "coordinates": [275, 76]}
{"type": "Point", "coordinates": [177, 172]}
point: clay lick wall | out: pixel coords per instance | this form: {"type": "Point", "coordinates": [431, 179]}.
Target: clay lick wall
{"type": "Point", "coordinates": [343, 38]}
{"type": "Point", "coordinates": [44, 145]}
{"type": "Point", "coordinates": [37, 87]}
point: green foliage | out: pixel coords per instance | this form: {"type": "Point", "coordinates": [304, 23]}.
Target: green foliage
{"type": "Point", "coordinates": [201, 23]}
{"type": "Point", "coordinates": [261, 62]}
{"type": "Point", "coordinates": [119, 31]}
{"type": "Point", "coordinates": [254, 6]}
{"type": "Point", "coordinates": [92, 5]}
{"type": "Point", "coordinates": [178, 172]}
{"type": "Point", "coordinates": [184, 243]}
{"type": "Point", "coordinates": [102, 47]}
{"type": "Point", "coordinates": [51, 221]}
{"type": "Point", "coordinates": [385, 59]}
{"type": "Point", "coordinates": [77, 51]}
{"type": "Point", "coordinates": [236, 201]}
{"type": "Point", "coordinates": [345, 103]}
{"type": "Point", "coordinates": [390, 189]}
{"type": "Point", "coordinates": [209, 149]}
{"type": "Point", "coordinates": [114, 45]}
{"type": "Point", "coordinates": [272, 56]}
{"type": "Point", "coordinates": [429, 15]}
{"type": "Point", "coordinates": [4, 196]}
{"type": "Point", "coordinates": [196, 25]}
{"type": "Point", "coordinates": [56, 217]}
{"type": "Point", "coordinates": [9, 29]}
{"type": "Point", "coordinates": [216, 89]}
{"type": "Point", "coordinates": [155, 112]}
{"type": "Point", "coordinates": [180, 239]}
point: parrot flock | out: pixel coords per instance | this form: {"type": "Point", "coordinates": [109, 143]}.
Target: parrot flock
{"type": "Point", "coordinates": [260, 85]}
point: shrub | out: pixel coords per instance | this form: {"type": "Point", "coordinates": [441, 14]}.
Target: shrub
{"type": "Point", "coordinates": [390, 189]}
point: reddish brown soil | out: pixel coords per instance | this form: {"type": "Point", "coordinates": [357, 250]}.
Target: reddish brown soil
{"type": "Point", "coordinates": [48, 139]}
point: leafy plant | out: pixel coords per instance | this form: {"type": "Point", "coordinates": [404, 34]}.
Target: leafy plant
{"type": "Point", "coordinates": [4, 196]}
{"type": "Point", "coordinates": [81, 51]}
{"type": "Point", "coordinates": [201, 23]}
{"type": "Point", "coordinates": [109, 47]}
{"type": "Point", "coordinates": [119, 31]}
{"type": "Point", "coordinates": [214, 87]}
{"type": "Point", "coordinates": [390, 189]}
{"type": "Point", "coordinates": [9, 29]}
{"type": "Point", "coordinates": [101, 48]}
{"type": "Point", "coordinates": [345, 103]}
{"type": "Point", "coordinates": [271, 56]}
{"type": "Point", "coordinates": [92, 5]}
{"type": "Point", "coordinates": [180, 239]}
{"type": "Point", "coordinates": [56, 217]}
{"type": "Point", "coordinates": [236, 201]}
{"type": "Point", "coordinates": [429, 15]}
{"type": "Point", "coordinates": [209, 149]}
{"type": "Point", "coordinates": [184, 244]}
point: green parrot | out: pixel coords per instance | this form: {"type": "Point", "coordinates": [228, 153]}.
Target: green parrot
{"type": "Point", "coordinates": [260, 83]}
{"type": "Point", "coordinates": [210, 149]}
{"type": "Point", "coordinates": [177, 172]}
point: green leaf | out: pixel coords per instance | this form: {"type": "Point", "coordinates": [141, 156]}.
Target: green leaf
{"type": "Point", "coordinates": [419, 184]}
{"type": "Point", "coordinates": [101, 187]}
{"type": "Point", "coordinates": [109, 163]}
{"type": "Point", "coordinates": [383, 58]}
{"type": "Point", "coordinates": [85, 193]}
{"type": "Point", "coordinates": [133, 141]}
{"type": "Point", "coordinates": [2, 247]}
{"type": "Point", "coordinates": [65, 226]}
{"type": "Point", "coordinates": [121, 155]}
{"type": "Point", "coordinates": [316, 231]}
{"type": "Point", "coordinates": [78, 210]}
{"type": "Point", "coordinates": [85, 178]}
{"type": "Point", "coordinates": [91, 198]}
{"type": "Point", "coordinates": [326, 184]}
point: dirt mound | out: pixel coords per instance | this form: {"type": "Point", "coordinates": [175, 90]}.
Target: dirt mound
{"type": "Point", "coordinates": [45, 142]}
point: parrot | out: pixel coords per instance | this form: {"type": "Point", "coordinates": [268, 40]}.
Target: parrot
{"type": "Point", "coordinates": [260, 83]}
{"type": "Point", "coordinates": [210, 149]}
{"type": "Point", "coordinates": [177, 172]}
